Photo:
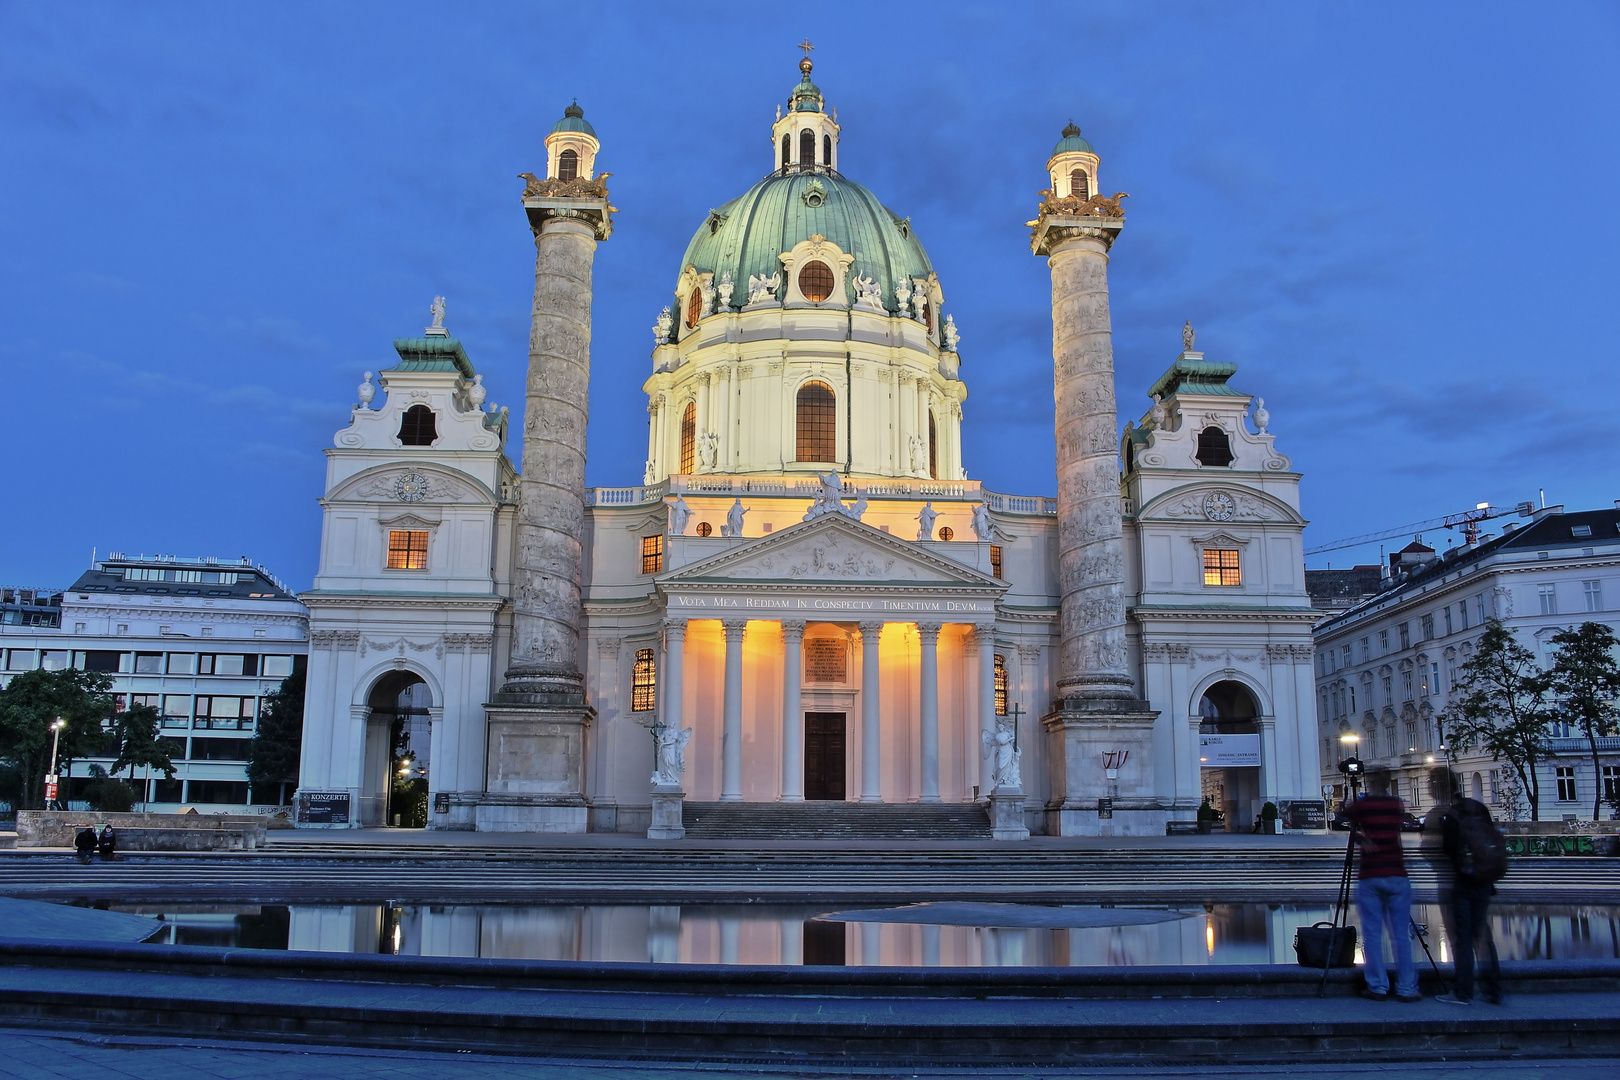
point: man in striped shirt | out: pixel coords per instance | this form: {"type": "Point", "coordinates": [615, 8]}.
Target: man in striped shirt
{"type": "Point", "coordinates": [1383, 896]}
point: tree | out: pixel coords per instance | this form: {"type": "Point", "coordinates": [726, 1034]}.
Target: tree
{"type": "Point", "coordinates": [107, 794]}
{"type": "Point", "coordinates": [1501, 705]}
{"type": "Point", "coordinates": [1587, 680]}
{"type": "Point", "coordinates": [28, 706]}
{"type": "Point", "coordinates": [274, 753]}
{"type": "Point", "coordinates": [137, 733]}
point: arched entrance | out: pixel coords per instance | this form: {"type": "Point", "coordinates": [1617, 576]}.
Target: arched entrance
{"type": "Point", "coordinates": [1229, 753]}
{"type": "Point", "coordinates": [398, 741]}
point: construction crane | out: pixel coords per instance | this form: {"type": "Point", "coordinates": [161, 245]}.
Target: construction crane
{"type": "Point", "coordinates": [1468, 519]}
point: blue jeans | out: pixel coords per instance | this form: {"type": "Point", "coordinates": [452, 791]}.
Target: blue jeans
{"type": "Point", "coordinates": [1387, 902]}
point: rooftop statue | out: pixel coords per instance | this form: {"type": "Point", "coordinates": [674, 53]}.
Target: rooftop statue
{"type": "Point", "coordinates": [436, 309]}
{"type": "Point", "coordinates": [1187, 336]}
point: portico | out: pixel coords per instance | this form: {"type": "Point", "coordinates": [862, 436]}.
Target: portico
{"type": "Point", "coordinates": [891, 651]}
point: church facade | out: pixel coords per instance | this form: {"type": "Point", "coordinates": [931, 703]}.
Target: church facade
{"type": "Point", "coordinates": [806, 598]}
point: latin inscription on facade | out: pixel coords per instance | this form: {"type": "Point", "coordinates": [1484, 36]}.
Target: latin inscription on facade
{"type": "Point", "coordinates": [825, 661]}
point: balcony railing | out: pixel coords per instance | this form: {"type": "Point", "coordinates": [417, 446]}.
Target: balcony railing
{"type": "Point", "coordinates": [810, 486]}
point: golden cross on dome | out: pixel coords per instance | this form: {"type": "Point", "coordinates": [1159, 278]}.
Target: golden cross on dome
{"type": "Point", "coordinates": [806, 46]}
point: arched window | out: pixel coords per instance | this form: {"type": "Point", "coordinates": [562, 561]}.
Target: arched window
{"type": "Point", "coordinates": [644, 682]}
{"type": "Point", "coordinates": [1214, 448]}
{"type": "Point", "coordinates": [807, 149]}
{"type": "Point", "coordinates": [1079, 184]}
{"type": "Point", "coordinates": [688, 437]}
{"type": "Point", "coordinates": [694, 307]}
{"type": "Point", "coordinates": [826, 150]}
{"type": "Point", "coordinates": [787, 157]}
{"type": "Point", "coordinates": [815, 281]}
{"type": "Point", "coordinates": [927, 309]}
{"type": "Point", "coordinates": [568, 165]}
{"type": "Point", "coordinates": [933, 448]}
{"type": "Point", "coordinates": [816, 435]}
{"type": "Point", "coordinates": [1001, 685]}
{"type": "Point", "coordinates": [416, 427]}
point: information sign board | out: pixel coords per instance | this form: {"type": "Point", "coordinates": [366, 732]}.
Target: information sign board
{"type": "Point", "coordinates": [1228, 751]}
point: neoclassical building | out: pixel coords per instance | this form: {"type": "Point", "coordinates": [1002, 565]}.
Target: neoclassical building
{"type": "Point", "coordinates": [805, 599]}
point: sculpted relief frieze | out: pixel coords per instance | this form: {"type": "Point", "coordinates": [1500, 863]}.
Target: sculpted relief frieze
{"type": "Point", "coordinates": [411, 485]}
{"type": "Point", "coordinates": [828, 559]}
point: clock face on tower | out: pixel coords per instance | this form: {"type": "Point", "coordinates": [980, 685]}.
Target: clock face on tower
{"type": "Point", "coordinates": [1219, 506]}
{"type": "Point", "coordinates": [412, 486]}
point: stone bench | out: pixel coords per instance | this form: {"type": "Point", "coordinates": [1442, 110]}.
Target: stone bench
{"type": "Point", "coordinates": [144, 832]}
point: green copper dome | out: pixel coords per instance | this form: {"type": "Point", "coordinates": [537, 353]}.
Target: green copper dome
{"type": "Point", "coordinates": [748, 235]}
{"type": "Point", "coordinates": [1071, 141]}
{"type": "Point", "coordinates": [574, 120]}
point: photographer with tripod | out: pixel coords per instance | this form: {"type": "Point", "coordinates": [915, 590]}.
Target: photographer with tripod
{"type": "Point", "coordinates": [1383, 891]}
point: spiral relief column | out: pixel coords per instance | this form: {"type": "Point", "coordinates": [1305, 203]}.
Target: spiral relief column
{"type": "Point", "coordinates": [537, 720]}
{"type": "Point", "coordinates": [1098, 716]}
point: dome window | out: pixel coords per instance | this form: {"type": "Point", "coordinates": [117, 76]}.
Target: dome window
{"type": "Point", "coordinates": [927, 309]}
{"type": "Point", "coordinates": [807, 149]}
{"type": "Point", "coordinates": [816, 437]}
{"type": "Point", "coordinates": [816, 282]}
{"type": "Point", "coordinates": [417, 428]}
{"type": "Point", "coordinates": [694, 307]}
{"type": "Point", "coordinates": [568, 165]}
{"type": "Point", "coordinates": [688, 438]}
{"type": "Point", "coordinates": [787, 158]}
{"type": "Point", "coordinates": [1079, 184]}
{"type": "Point", "coordinates": [1214, 448]}
{"type": "Point", "coordinates": [826, 150]}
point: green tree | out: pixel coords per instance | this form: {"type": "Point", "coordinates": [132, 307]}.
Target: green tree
{"type": "Point", "coordinates": [137, 731]}
{"type": "Point", "coordinates": [107, 794]}
{"type": "Point", "coordinates": [28, 706]}
{"type": "Point", "coordinates": [1587, 680]}
{"type": "Point", "coordinates": [1501, 705]}
{"type": "Point", "coordinates": [273, 755]}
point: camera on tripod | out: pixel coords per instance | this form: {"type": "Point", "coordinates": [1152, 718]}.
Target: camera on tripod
{"type": "Point", "coordinates": [1352, 766]}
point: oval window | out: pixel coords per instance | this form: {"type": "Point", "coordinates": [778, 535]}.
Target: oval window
{"type": "Point", "coordinates": [694, 307]}
{"type": "Point", "coordinates": [705, 529]}
{"type": "Point", "coordinates": [945, 532]}
{"type": "Point", "coordinates": [816, 281]}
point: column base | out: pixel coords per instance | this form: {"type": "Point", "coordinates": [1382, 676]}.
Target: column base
{"type": "Point", "coordinates": [791, 798]}
{"type": "Point", "coordinates": [667, 820]}
{"type": "Point", "coordinates": [869, 799]}
{"type": "Point", "coordinates": [531, 813]}
{"type": "Point", "coordinates": [535, 769]}
{"type": "Point", "coordinates": [1090, 798]}
{"type": "Point", "coordinates": [1007, 814]}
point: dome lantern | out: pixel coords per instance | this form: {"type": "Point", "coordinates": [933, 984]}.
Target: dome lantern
{"type": "Point", "coordinates": [1073, 166]}
{"type": "Point", "coordinates": [805, 137]}
{"type": "Point", "coordinates": [571, 147]}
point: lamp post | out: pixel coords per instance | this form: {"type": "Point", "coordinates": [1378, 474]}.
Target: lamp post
{"type": "Point", "coordinates": [1351, 765]}
{"type": "Point", "coordinates": [51, 779]}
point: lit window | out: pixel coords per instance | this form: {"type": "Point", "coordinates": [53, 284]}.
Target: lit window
{"type": "Point", "coordinates": [568, 165]}
{"type": "Point", "coordinates": [688, 437]}
{"type": "Point", "coordinates": [407, 549]}
{"type": "Point", "coordinates": [816, 281]}
{"type": "Point", "coordinates": [705, 529]}
{"type": "Point", "coordinates": [1221, 567]}
{"type": "Point", "coordinates": [652, 554]}
{"type": "Point", "coordinates": [694, 307]}
{"type": "Point", "coordinates": [995, 560]}
{"type": "Point", "coordinates": [416, 427]}
{"type": "Point", "coordinates": [1001, 685]}
{"type": "Point", "coordinates": [816, 437]}
{"type": "Point", "coordinates": [807, 148]}
{"type": "Point", "coordinates": [644, 682]}
{"type": "Point", "coordinates": [933, 449]}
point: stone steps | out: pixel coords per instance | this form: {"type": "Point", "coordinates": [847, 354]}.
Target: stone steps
{"type": "Point", "coordinates": [835, 821]}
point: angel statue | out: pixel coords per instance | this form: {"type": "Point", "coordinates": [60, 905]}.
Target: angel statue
{"type": "Point", "coordinates": [868, 291]}
{"type": "Point", "coordinates": [734, 520]}
{"type": "Point", "coordinates": [925, 520]}
{"type": "Point", "coordinates": [1000, 744]}
{"type": "Point", "coordinates": [829, 500]}
{"type": "Point", "coordinates": [671, 760]}
{"type": "Point", "coordinates": [982, 528]}
{"type": "Point", "coordinates": [436, 309]}
{"type": "Point", "coordinates": [1187, 336]}
{"type": "Point", "coordinates": [762, 288]}
{"type": "Point", "coordinates": [708, 449]}
{"type": "Point", "coordinates": [679, 515]}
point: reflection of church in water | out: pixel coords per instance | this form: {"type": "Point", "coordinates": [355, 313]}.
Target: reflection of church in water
{"type": "Point", "coordinates": [805, 579]}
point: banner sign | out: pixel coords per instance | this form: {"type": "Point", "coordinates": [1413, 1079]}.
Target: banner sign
{"type": "Point", "coordinates": [1226, 751]}
{"type": "Point", "coordinates": [323, 808]}
{"type": "Point", "coordinates": [1303, 813]}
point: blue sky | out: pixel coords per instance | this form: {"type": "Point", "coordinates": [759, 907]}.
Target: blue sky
{"type": "Point", "coordinates": [1397, 219]}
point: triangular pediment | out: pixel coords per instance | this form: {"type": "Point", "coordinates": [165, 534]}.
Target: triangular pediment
{"type": "Point", "coordinates": [833, 549]}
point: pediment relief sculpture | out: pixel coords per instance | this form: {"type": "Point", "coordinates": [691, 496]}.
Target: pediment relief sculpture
{"type": "Point", "coordinates": [411, 485]}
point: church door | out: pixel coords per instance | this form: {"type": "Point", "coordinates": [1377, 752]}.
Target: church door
{"type": "Point", "coordinates": [824, 756]}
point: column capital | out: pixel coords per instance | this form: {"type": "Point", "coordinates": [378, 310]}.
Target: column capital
{"type": "Point", "coordinates": [792, 629]}
{"type": "Point", "coordinates": [584, 208]}
{"type": "Point", "coordinates": [870, 626]}
{"type": "Point", "coordinates": [733, 628]}
{"type": "Point", "coordinates": [675, 630]}
{"type": "Point", "coordinates": [1054, 230]}
{"type": "Point", "coordinates": [929, 631]}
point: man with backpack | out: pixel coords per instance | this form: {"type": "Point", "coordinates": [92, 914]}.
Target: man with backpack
{"type": "Point", "coordinates": [1469, 855]}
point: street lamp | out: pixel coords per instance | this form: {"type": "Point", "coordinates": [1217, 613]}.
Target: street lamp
{"type": "Point", "coordinates": [1351, 766]}
{"type": "Point", "coordinates": [50, 778]}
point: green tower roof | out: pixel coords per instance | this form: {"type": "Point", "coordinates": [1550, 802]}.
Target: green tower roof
{"type": "Point", "coordinates": [1195, 377]}
{"type": "Point", "coordinates": [1071, 141]}
{"type": "Point", "coordinates": [574, 120]}
{"type": "Point", "coordinates": [432, 354]}
{"type": "Point", "coordinates": [747, 235]}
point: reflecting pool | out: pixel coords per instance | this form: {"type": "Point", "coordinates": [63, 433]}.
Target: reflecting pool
{"type": "Point", "coordinates": [926, 935]}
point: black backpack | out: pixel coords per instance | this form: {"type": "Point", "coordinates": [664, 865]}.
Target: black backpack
{"type": "Point", "coordinates": [1481, 847]}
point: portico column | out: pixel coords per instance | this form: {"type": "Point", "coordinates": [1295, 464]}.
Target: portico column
{"type": "Point", "coordinates": [986, 636]}
{"type": "Point", "coordinates": [731, 738]}
{"type": "Point", "coordinates": [928, 699]}
{"type": "Point", "coordinates": [674, 653]}
{"type": "Point", "coordinates": [792, 712]}
{"type": "Point", "coordinates": [871, 730]}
